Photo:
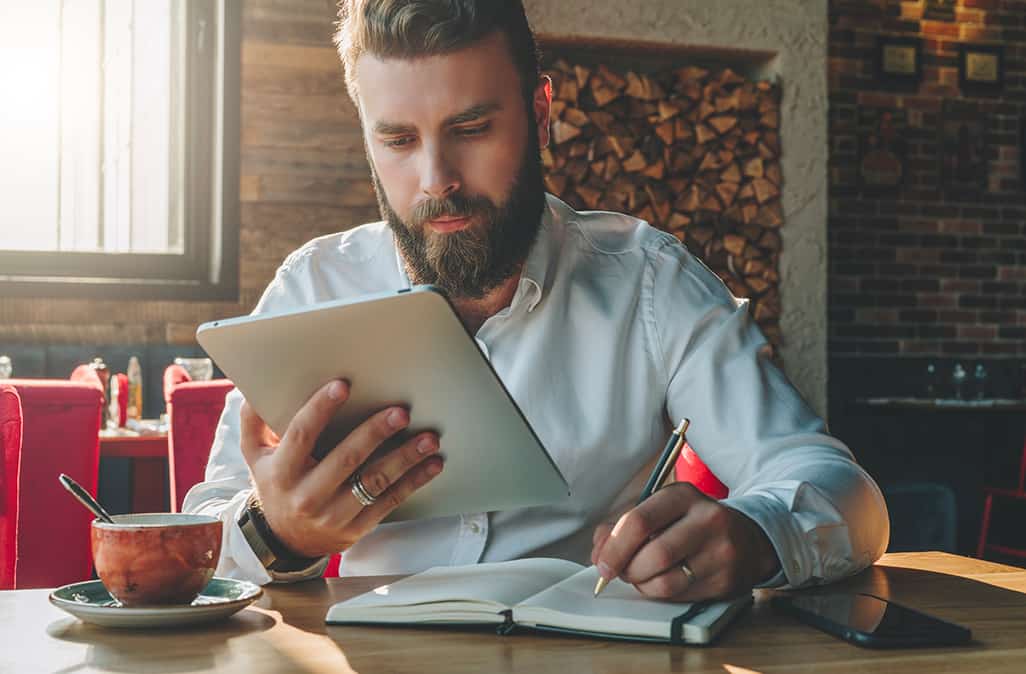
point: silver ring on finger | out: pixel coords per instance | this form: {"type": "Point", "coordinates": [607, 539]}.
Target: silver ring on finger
{"type": "Point", "coordinates": [360, 491]}
{"type": "Point", "coordinates": [688, 572]}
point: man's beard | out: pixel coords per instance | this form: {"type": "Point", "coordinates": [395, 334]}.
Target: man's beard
{"type": "Point", "coordinates": [469, 263]}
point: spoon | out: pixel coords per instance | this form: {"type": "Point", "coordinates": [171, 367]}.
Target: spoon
{"type": "Point", "coordinates": [84, 498]}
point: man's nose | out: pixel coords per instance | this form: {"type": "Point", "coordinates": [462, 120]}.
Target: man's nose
{"type": "Point", "coordinates": [439, 178]}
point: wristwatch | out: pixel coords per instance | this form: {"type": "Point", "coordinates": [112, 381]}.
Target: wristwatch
{"type": "Point", "coordinates": [272, 553]}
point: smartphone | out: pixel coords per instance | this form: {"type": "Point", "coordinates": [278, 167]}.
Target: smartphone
{"type": "Point", "coordinates": [871, 622]}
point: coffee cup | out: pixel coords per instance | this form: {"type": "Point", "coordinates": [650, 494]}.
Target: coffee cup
{"type": "Point", "coordinates": [156, 559]}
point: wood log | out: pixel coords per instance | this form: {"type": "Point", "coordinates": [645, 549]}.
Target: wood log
{"type": "Point", "coordinates": [727, 193]}
{"type": "Point", "coordinates": [765, 190]}
{"type": "Point", "coordinates": [646, 214]}
{"type": "Point", "coordinates": [729, 78]}
{"type": "Point", "coordinates": [655, 171]}
{"type": "Point", "coordinates": [611, 78]}
{"type": "Point", "coordinates": [757, 285]}
{"type": "Point", "coordinates": [603, 120]}
{"type": "Point", "coordinates": [711, 204]}
{"type": "Point", "coordinates": [770, 240]}
{"type": "Point", "coordinates": [723, 124]}
{"type": "Point", "coordinates": [555, 183]}
{"type": "Point", "coordinates": [547, 159]}
{"type": "Point", "coordinates": [678, 221]}
{"type": "Point", "coordinates": [771, 215]}
{"type": "Point", "coordinates": [621, 145]}
{"type": "Point", "coordinates": [589, 195]}
{"type": "Point", "coordinates": [728, 103]}
{"type": "Point", "coordinates": [612, 168]}
{"type": "Point", "coordinates": [749, 212]}
{"type": "Point", "coordinates": [704, 134]}
{"type": "Point", "coordinates": [754, 267]}
{"type": "Point", "coordinates": [706, 110]}
{"type": "Point", "coordinates": [643, 87]}
{"type": "Point", "coordinates": [579, 149]}
{"type": "Point", "coordinates": [556, 108]}
{"type": "Point", "coordinates": [770, 119]}
{"type": "Point", "coordinates": [711, 162]}
{"type": "Point", "coordinates": [564, 131]}
{"type": "Point", "coordinates": [568, 91]}
{"type": "Point", "coordinates": [665, 132]}
{"type": "Point", "coordinates": [668, 110]}
{"type": "Point", "coordinates": [731, 174]}
{"type": "Point", "coordinates": [682, 130]}
{"type": "Point", "coordinates": [636, 162]}
{"type": "Point", "coordinates": [754, 168]}
{"type": "Point", "coordinates": [660, 204]}
{"type": "Point", "coordinates": [576, 170]}
{"type": "Point", "coordinates": [582, 74]}
{"type": "Point", "coordinates": [773, 174]}
{"type": "Point", "coordinates": [690, 74]}
{"type": "Point", "coordinates": [734, 244]}
{"type": "Point", "coordinates": [577, 117]}
{"type": "Point", "coordinates": [603, 93]}
{"type": "Point", "coordinates": [701, 235]}
{"type": "Point", "coordinates": [690, 201]}
{"type": "Point", "coordinates": [677, 185]}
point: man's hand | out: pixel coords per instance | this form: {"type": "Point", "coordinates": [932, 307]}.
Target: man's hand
{"type": "Point", "coordinates": [309, 505]}
{"type": "Point", "coordinates": [728, 553]}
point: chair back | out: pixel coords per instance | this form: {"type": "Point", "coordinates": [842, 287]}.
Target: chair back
{"type": "Point", "coordinates": [194, 409]}
{"type": "Point", "coordinates": [60, 425]}
{"type": "Point", "coordinates": [10, 456]}
{"type": "Point", "coordinates": [692, 469]}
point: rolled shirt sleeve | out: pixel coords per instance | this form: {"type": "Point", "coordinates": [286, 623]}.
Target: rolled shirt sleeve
{"type": "Point", "coordinates": [227, 484]}
{"type": "Point", "coordinates": [824, 515]}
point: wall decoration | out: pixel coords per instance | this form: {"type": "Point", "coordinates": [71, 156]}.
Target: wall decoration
{"type": "Point", "coordinates": [939, 10]}
{"type": "Point", "coordinates": [882, 150]}
{"type": "Point", "coordinates": [981, 68]}
{"type": "Point", "coordinates": [899, 60]}
{"type": "Point", "coordinates": [963, 149]}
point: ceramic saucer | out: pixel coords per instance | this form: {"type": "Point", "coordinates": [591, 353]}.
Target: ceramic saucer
{"type": "Point", "coordinates": [90, 602]}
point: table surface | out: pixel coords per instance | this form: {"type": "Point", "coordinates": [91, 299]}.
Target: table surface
{"type": "Point", "coordinates": [285, 632]}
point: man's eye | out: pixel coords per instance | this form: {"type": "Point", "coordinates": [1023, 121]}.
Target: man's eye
{"type": "Point", "coordinates": [398, 142]}
{"type": "Point", "coordinates": [472, 130]}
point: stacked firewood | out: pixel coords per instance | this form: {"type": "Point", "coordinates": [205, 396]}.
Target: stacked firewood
{"type": "Point", "coordinates": [692, 151]}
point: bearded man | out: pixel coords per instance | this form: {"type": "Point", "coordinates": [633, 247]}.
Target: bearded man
{"type": "Point", "coordinates": [601, 327]}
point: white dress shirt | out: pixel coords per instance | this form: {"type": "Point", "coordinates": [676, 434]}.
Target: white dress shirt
{"type": "Point", "coordinates": [614, 331]}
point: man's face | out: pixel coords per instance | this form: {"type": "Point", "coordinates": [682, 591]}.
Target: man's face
{"type": "Point", "coordinates": [454, 156]}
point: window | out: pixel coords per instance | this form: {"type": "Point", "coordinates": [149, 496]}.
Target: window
{"type": "Point", "coordinates": [119, 148]}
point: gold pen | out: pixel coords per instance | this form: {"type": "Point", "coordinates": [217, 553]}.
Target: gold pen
{"type": "Point", "coordinates": [659, 474]}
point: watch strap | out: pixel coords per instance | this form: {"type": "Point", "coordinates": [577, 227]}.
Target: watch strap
{"type": "Point", "coordinates": [272, 553]}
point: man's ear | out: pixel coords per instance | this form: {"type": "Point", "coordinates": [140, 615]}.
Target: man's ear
{"type": "Point", "coordinates": [542, 104]}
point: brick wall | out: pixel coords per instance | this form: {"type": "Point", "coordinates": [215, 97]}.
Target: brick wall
{"type": "Point", "coordinates": [936, 267]}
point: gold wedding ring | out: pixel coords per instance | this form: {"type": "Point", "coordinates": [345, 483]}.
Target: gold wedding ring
{"type": "Point", "coordinates": [360, 492]}
{"type": "Point", "coordinates": [688, 572]}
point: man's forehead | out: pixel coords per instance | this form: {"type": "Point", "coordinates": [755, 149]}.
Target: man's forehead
{"type": "Point", "coordinates": [436, 87]}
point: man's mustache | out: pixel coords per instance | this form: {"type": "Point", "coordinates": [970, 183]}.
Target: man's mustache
{"type": "Point", "coordinates": [454, 206]}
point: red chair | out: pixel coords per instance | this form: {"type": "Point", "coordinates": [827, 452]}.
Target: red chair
{"type": "Point", "coordinates": [60, 424]}
{"type": "Point", "coordinates": [691, 469]}
{"type": "Point", "coordinates": [194, 409]}
{"type": "Point", "coordinates": [10, 455]}
{"type": "Point", "coordinates": [1017, 494]}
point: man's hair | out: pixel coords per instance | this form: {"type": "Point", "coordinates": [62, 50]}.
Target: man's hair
{"type": "Point", "coordinates": [411, 29]}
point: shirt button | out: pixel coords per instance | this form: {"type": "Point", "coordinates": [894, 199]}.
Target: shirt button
{"type": "Point", "coordinates": [475, 527]}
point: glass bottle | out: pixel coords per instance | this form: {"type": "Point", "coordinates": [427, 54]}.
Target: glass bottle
{"type": "Point", "coordinates": [931, 381]}
{"type": "Point", "coordinates": [135, 402]}
{"type": "Point", "coordinates": [958, 375]}
{"type": "Point", "coordinates": [980, 377]}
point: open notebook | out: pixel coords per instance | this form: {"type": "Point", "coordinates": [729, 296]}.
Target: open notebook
{"type": "Point", "coordinates": [546, 594]}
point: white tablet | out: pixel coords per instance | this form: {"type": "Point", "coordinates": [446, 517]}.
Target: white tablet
{"type": "Point", "coordinates": [403, 348]}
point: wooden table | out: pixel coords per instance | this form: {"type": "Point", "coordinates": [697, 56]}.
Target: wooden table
{"type": "Point", "coordinates": [285, 632]}
{"type": "Point", "coordinates": [149, 467]}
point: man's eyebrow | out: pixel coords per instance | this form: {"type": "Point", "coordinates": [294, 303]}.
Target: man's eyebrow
{"type": "Point", "coordinates": [385, 128]}
{"type": "Point", "coordinates": [472, 113]}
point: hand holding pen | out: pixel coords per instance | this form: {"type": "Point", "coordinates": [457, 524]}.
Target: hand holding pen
{"type": "Point", "coordinates": [678, 544]}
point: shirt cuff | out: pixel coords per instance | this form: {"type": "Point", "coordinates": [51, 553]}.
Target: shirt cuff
{"type": "Point", "coordinates": [784, 534]}
{"type": "Point", "coordinates": [238, 559]}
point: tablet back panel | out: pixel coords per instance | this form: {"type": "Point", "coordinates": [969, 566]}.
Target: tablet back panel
{"type": "Point", "coordinates": [407, 348]}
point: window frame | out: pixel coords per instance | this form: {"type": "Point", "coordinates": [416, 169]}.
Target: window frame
{"type": "Point", "coordinates": [208, 269]}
